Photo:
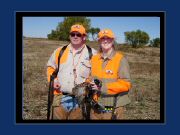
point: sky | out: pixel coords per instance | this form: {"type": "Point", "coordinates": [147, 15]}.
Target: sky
{"type": "Point", "coordinates": [41, 26]}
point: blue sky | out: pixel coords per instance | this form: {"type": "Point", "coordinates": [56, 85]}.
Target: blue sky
{"type": "Point", "coordinates": [41, 26]}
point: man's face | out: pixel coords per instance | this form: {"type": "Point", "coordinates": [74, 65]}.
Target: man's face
{"type": "Point", "coordinates": [76, 38]}
{"type": "Point", "coordinates": [106, 43]}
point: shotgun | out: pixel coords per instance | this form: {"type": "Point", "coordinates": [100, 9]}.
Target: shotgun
{"type": "Point", "coordinates": [50, 97]}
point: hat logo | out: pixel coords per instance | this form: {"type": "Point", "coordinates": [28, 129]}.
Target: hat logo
{"type": "Point", "coordinates": [105, 32]}
{"type": "Point", "coordinates": [109, 72]}
{"type": "Point", "coordinates": [77, 26]}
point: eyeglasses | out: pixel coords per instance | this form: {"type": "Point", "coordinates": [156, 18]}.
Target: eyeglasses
{"type": "Point", "coordinates": [75, 34]}
{"type": "Point", "coordinates": [106, 38]}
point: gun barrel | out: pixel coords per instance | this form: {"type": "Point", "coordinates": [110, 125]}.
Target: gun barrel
{"type": "Point", "coordinates": [50, 97]}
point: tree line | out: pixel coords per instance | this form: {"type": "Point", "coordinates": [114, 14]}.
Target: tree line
{"type": "Point", "coordinates": [136, 38]}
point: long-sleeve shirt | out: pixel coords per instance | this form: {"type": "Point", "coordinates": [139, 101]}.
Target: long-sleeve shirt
{"type": "Point", "coordinates": [114, 73]}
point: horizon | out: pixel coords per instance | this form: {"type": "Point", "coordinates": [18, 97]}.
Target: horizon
{"type": "Point", "coordinates": [40, 27]}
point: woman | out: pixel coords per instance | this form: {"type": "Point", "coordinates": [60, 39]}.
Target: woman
{"type": "Point", "coordinates": [112, 69]}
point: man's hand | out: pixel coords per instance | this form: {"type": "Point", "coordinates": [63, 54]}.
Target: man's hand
{"type": "Point", "coordinates": [56, 84]}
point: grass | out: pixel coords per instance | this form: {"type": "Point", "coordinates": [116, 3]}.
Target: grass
{"type": "Point", "coordinates": [144, 68]}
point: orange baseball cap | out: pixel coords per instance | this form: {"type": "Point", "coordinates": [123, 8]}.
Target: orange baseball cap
{"type": "Point", "coordinates": [78, 28]}
{"type": "Point", "coordinates": [107, 33]}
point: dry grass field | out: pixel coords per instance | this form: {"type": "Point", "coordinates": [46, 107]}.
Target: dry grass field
{"type": "Point", "coordinates": [145, 74]}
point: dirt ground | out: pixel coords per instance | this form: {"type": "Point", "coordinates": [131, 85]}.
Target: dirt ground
{"type": "Point", "coordinates": [144, 68]}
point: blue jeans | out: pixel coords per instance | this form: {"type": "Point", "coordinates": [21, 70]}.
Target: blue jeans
{"type": "Point", "coordinates": [69, 103]}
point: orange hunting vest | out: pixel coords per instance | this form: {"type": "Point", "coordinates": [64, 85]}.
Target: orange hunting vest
{"type": "Point", "coordinates": [109, 74]}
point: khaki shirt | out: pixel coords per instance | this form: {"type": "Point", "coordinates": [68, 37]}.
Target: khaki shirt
{"type": "Point", "coordinates": [65, 75]}
{"type": "Point", "coordinates": [123, 73]}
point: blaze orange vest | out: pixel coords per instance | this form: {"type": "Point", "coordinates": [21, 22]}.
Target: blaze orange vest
{"type": "Point", "coordinates": [112, 65]}
{"type": "Point", "coordinates": [109, 74]}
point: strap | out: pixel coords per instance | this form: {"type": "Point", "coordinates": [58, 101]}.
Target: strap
{"type": "Point", "coordinates": [114, 106]}
{"type": "Point", "coordinates": [89, 51]}
{"type": "Point", "coordinates": [59, 57]}
{"type": "Point", "coordinates": [54, 75]}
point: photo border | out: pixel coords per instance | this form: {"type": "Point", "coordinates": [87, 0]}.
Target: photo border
{"type": "Point", "coordinates": [19, 63]}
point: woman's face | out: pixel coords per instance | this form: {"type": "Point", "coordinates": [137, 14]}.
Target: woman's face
{"type": "Point", "coordinates": [106, 43]}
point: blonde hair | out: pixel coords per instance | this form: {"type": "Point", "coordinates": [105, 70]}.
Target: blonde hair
{"type": "Point", "coordinates": [100, 48]}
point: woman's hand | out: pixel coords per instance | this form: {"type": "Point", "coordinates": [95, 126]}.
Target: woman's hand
{"type": "Point", "coordinates": [94, 86]}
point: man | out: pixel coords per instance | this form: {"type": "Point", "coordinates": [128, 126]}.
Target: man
{"type": "Point", "coordinates": [74, 68]}
{"type": "Point", "coordinates": [112, 69]}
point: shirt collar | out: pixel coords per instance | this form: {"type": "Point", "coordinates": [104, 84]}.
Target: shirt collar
{"type": "Point", "coordinates": [108, 57]}
{"type": "Point", "coordinates": [79, 49]}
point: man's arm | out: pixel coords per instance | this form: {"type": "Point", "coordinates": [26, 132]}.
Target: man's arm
{"type": "Point", "coordinates": [52, 63]}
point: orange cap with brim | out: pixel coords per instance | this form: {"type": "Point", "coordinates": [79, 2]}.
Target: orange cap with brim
{"type": "Point", "coordinates": [78, 28]}
{"type": "Point", "coordinates": [106, 33]}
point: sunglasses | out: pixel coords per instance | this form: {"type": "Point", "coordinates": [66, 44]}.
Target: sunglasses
{"type": "Point", "coordinates": [75, 34]}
